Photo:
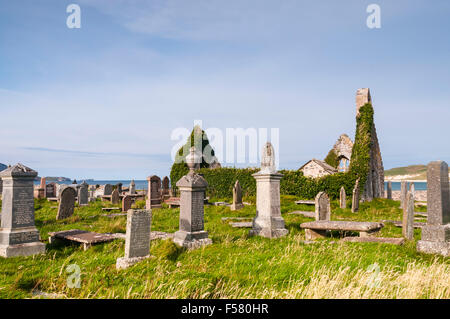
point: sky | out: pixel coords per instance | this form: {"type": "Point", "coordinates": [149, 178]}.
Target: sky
{"type": "Point", "coordinates": [103, 101]}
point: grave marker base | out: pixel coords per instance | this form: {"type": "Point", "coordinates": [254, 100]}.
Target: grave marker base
{"type": "Point", "coordinates": [123, 262]}
{"type": "Point", "coordinates": [192, 240]}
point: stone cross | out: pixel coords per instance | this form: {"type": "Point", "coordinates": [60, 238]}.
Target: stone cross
{"type": "Point", "coordinates": [83, 194]}
{"type": "Point", "coordinates": [115, 197]}
{"type": "Point", "coordinates": [191, 233]}
{"type": "Point", "coordinates": [342, 198]}
{"type": "Point", "coordinates": [237, 197]}
{"type": "Point", "coordinates": [137, 241]}
{"type": "Point", "coordinates": [389, 190]}
{"type": "Point", "coordinates": [322, 206]}
{"type": "Point", "coordinates": [107, 190]}
{"type": "Point", "coordinates": [403, 193]}
{"type": "Point", "coordinates": [127, 201]}
{"type": "Point", "coordinates": [18, 234]}
{"type": "Point", "coordinates": [66, 203]}
{"type": "Point", "coordinates": [355, 197]}
{"type": "Point", "coordinates": [408, 217]}
{"type": "Point", "coordinates": [436, 234]}
{"type": "Point", "coordinates": [153, 192]}
{"type": "Point", "coordinates": [268, 221]}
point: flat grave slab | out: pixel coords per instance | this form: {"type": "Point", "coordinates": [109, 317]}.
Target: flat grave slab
{"type": "Point", "coordinates": [110, 208]}
{"type": "Point", "coordinates": [319, 229]}
{"type": "Point", "coordinates": [52, 199]}
{"type": "Point", "coordinates": [305, 214]}
{"type": "Point", "coordinates": [242, 224]}
{"type": "Point", "coordinates": [398, 223]}
{"type": "Point", "coordinates": [221, 204]}
{"type": "Point", "coordinates": [305, 202]}
{"type": "Point", "coordinates": [173, 202]}
{"type": "Point", "coordinates": [235, 218]}
{"type": "Point", "coordinates": [382, 240]}
{"type": "Point", "coordinates": [81, 236]}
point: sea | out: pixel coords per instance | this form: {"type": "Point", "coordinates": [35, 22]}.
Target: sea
{"type": "Point", "coordinates": [142, 184]}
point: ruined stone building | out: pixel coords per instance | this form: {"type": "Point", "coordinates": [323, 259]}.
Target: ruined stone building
{"type": "Point", "coordinates": [317, 168]}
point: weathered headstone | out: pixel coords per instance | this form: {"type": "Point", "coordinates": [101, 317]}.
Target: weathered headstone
{"type": "Point", "coordinates": [389, 190]}
{"type": "Point", "coordinates": [119, 187]}
{"type": "Point", "coordinates": [115, 198]}
{"type": "Point", "coordinates": [342, 198]}
{"type": "Point", "coordinates": [107, 189]}
{"type": "Point", "coordinates": [154, 192]}
{"type": "Point", "coordinates": [268, 221]}
{"type": "Point", "coordinates": [403, 193]}
{"type": "Point", "coordinates": [323, 210]}
{"type": "Point", "coordinates": [18, 234]}
{"type": "Point", "coordinates": [127, 201]}
{"type": "Point", "coordinates": [50, 190]}
{"type": "Point", "coordinates": [408, 217]}
{"type": "Point", "coordinates": [137, 241]}
{"type": "Point", "coordinates": [355, 197]}
{"type": "Point", "coordinates": [412, 188]}
{"type": "Point", "coordinates": [66, 203]}
{"type": "Point", "coordinates": [436, 234]}
{"type": "Point", "coordinates": [191, 233]}
{"type": "Point", "coordinates": [83, 194]}
{"type": "Point", "coordinates": [132, 190]}
{"type": "Point", "coordinates": [165, 186]}
{"type": "Point", "coordinates": [237, 197]}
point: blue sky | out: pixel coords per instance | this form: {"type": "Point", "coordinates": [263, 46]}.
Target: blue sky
{"type": "Point", "coordinates": [101, 101]}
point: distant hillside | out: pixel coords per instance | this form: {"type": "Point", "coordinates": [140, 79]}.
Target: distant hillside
{"type": "Point", "coordinates": [414, 172]}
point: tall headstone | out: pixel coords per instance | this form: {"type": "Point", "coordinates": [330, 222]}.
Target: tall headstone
{"type": "Point", "coordinates": [268, 221]}
{"type": "Point", "coordinates": [165, 186]}
{"type": "Point", "coordinates": [137, 241]}
{"type": "Point", "coordinates": [18, 234]}
{"type": "Point", "coordinates": [107, 190]}
{"type": "Point", "coordinates": [127, 202]}
{"type": "Point", "coordinates": [389, 190]}
{"type": "Point", "coordinates": [153, 192]}
{"type": "Point", "coordinates": [192, 186]}
{"type": "Point", "coordinates": [132, 190]}
{"type": "Point", "coordinates": [355, 197]}
{"type": "Point", "coordinates": [322, 205]}
{"type": "Point", "coordinates": [115, 198]}
{"type": "Point", "coordinates": [408, 217]}
{"type": "Point", "coordinates": [412, 188]}
{"type": "Point", "coordinates": [342, 198]}
{"type": "Point", "coordinates": [66, 203]}
{"type": "Point", "coordinates": [403, 193]}
{"type": "Point", "coordinates": [83, 194]}
{"type": "Point", "coordinates": [237, 197]}
{"type": "Point", "coordinates": [436, 233]}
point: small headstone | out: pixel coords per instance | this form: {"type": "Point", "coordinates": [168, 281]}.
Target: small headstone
{"type": "Point", "coordinates": [137, 241]}
{"type": "Point", "coordinates": [154, 192]}
{"type": "Point", "coordinates": [115, 198]}
{"type": "Point", "coordinates": [237, 197]}
{"type": "Point", "coordinates": [412, 188]}
{"type": "Point", "coordinates": [408, 217]}
{"type": "Point", "coordinates": [18, 234]}
{"type": "Point", "coordinates": [342, 198]}
{"type": "Point", "coordinates": [50, 190]}
{"type": "Point", "coordinates": [107, 190]}
{"type": "Point", "coordinates": [83, 194]}
{"type": "Point", "coordinates": [403, 193]}
{"type": "Point", "coordinates": [127, 201]}
{"type": "Point", "coordinates": [389, 190]}
{"type": "Point", "coordinates": [66, 203]}
{"type": "Point", "coordinates": [323, 210]}
{"type": "Point", "coordinates": [165, 186]}
{"type": "Point", "coordinates": [355, 197]}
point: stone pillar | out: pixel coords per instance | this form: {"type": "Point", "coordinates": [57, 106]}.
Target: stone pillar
{"type": "Point", "coordinates": [237, 197]}
{"type": "Point", "coordinates": [355, 197]}
{"type": "Point", "coordinates": [342, 198]}
{"type": "Point", "coordinates": [268, 221]}
{"type": "Point", "coordinates": [412, 188]}
{"type": "Point", "coordinates": [408, 217]}
{"type": "Point", "coordinates": [403, 193]}
{"type": "Point", "coordinates": [137, 241]}
{"type": "Point", "coordinates": [192, 188]}
{"type": "Point", "coordinates": [18, 234]}
{"type": "Point", "coordinates": [132, 188]}
{"type": "Point", "coordinates": [153, 192]}
{"type": "Point", "coordinates": [389, 190]}
{"type": "Point", "coordinates": [322, 206]}
{"type": "Point", "coordinates": [436, 234]}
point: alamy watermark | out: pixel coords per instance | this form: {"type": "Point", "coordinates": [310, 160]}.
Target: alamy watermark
{"type": "Point", "coordinates": [374, 19]}
{"type": "Point", "coordinates": [74, 278]}
{"type": "Point", "coordinates": [74, 19]}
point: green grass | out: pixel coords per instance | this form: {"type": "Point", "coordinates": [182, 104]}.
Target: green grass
{"type": "Point", "coordinates": [234, 266]}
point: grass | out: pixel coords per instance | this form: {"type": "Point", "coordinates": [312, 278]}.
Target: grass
{"type": "Point", "coordinates": [234, 266]}
{"type": "Point", "coordinates": [419, 170]}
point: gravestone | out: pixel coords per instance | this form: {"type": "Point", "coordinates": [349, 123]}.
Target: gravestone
{"type": "Point", "coordinates": [107, 190]}
{"type": "Point", "coordinates": [83, 194]}
{"type": "Point", "coordinates": [50, 190]}
{"type": "Point", "coordinates": [137, 241]}
{"type": "Point", "coordinates": [132, 190]}
{"type": "Point", "coordinates": [408, 217]}
{"type": "Point", "coordinates": [355, 197]}
{"type": "Point", "coordinates": [323, 210]}
{"type": "Point", "coordinates": [436, 233]}
{"type": "Point", "coordinates": [268, 221]}
{"type": "Point", "coordinates": [66, 203]}
{"type": "Point", "coordinates": [119, 187]}
{"type": "Point", "coordinates": [389, 190]}
{"type": "Point", "coordinates": [127, 201]}
{"type": "Point", "coordinates": [18, 234]}
{"type": "Point", "coordinates": [403, 193]}
{"type": "Point", "coordinates": [165, 186]}
{"type": "Point", "coordinates": [342, 198]}
{"type": "Point", "coordinates": [191, 233]}
{"type": "Point", "coordinates": [412, 188]}
{"type": "Point", "coordinates": [154, 192]}
{"type": "Point", "coordinates": [237, 197]}
{"type": "Point", "coordinates": [115, 198]}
